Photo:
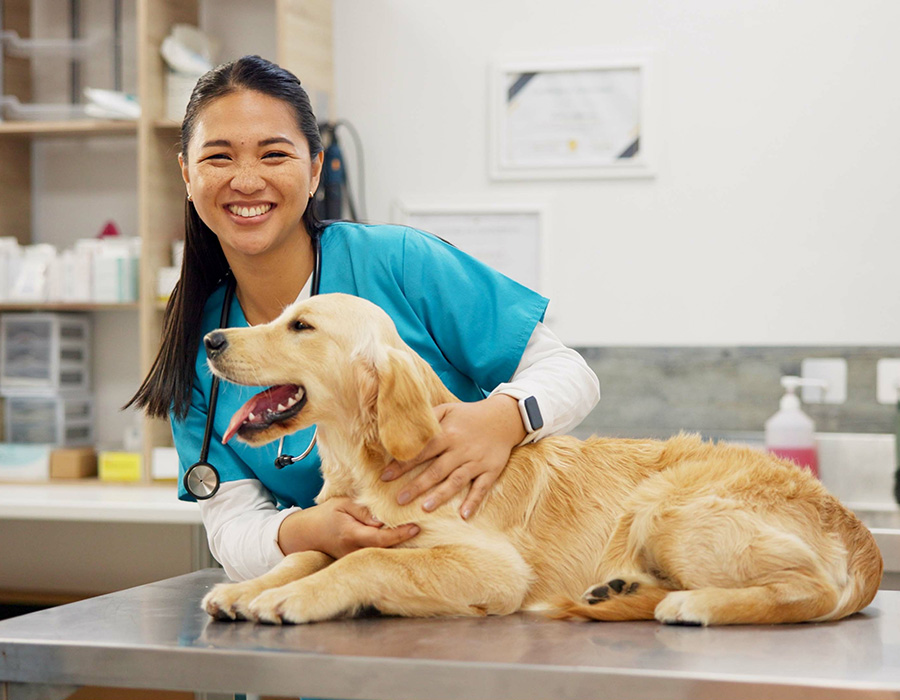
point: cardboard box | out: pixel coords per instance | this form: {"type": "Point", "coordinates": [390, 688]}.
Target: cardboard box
{"type": "Point", "coordinates": [73, 463]}
{"type": "Point", "coordinates": [119, 466]}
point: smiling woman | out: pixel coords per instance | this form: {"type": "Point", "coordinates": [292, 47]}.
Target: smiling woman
{"type": "Point", "coordinates": [251, 158]}
{"type": "Point", "coordinates": [250, 174]}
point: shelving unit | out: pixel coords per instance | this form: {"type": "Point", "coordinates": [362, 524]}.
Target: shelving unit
{"type": "Point", "coordinates": [304, 46]}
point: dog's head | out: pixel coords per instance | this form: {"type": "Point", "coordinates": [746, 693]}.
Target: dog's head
{"type": "Point", "coordinates": [334, 360]}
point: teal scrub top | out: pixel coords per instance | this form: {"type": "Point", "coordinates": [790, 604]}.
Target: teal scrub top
{"type": "Point", "coordinates": [468, 321]}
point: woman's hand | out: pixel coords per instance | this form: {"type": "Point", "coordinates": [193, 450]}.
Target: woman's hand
{"type": "Point", "coordinates": [471, 451]}
{"type": "Point", "coordinates": [337, 527]}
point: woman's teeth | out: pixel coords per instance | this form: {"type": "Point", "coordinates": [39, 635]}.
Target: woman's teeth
{"type": "Point", "coordinates": [247, 212]}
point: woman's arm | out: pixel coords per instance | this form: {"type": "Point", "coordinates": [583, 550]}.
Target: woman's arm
{"type": "Point", "coordinates": [565, 387]}
{"type": "Point", "coordinates": [242, 523]}
{"type": "Point", "coordinates": [248, 534]}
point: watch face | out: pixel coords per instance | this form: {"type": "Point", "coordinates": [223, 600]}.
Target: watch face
{"type": "Point", "coordinates": [533, 412]}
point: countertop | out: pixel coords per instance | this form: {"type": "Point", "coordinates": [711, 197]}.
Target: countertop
{"type": "Point", "coordinates": [155, 636]}
{"type": "Point", "coordinates": [93, 501]}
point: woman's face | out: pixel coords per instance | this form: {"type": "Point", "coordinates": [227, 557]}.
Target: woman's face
{"type": "Point", "coordinates": [249, 172]}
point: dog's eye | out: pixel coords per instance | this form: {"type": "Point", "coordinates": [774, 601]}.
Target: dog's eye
{"type": "Point", "coordinates": [299, 325]}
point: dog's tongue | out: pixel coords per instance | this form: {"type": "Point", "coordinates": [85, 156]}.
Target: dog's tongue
{"type": "Point", "coordinates": [258, 406]}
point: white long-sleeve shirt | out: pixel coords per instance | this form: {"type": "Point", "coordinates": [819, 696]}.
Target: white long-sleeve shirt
{"type": "Point", "coordinates": [243, 519]}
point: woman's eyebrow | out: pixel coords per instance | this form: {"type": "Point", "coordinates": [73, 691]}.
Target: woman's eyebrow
{"type": "Point", "coordinates": [220, 143]}
{"type": "Point", "coordinates": [275, 139]}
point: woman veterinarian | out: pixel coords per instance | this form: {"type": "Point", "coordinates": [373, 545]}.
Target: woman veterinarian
{"type": "Point", "coordinates": [251, 158]}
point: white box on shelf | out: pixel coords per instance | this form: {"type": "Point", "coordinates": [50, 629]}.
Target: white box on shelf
{"type": "Point", "coordinates": [75, 275]}
{"type": "Point", "coordinates": [164, 463]}
{"type": "Point", "coordinates": [115, 275]}
{"type": "Point", "coordinates": [179, 87]}
{"type": "Point", "coordinates": [61, 421]}
{"type": "Point", "coordinates": [10, 254]}
{"type": "Point", "coordinates": [24, 462]}
{"type": "Point", "coordinates": [44, 352]}
{"type": "Point", "coordinates": [34, 270]}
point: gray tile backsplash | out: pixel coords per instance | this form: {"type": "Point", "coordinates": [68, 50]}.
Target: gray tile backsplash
{"type": "Point", "coordinates": [859, 469]}
{"type": "Point", "coordinates": [655, 391]}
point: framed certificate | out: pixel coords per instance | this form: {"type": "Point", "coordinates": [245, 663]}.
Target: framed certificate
{"type": "Point", "coordinates": [571, 117]}
{"type": "Point", "coordinates": [509, 238]}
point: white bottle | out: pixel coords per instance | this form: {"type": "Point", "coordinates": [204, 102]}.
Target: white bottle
{"type": "Point", "coordinates": [791, 433]}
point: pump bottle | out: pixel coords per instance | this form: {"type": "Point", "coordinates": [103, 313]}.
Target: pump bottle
{"type": "Point", "coordinates": [790, 433]}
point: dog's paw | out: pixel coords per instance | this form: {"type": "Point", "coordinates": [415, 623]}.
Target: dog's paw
{"type": "Point", "coordinates": [682, 608]}
{"type": "Point", "coordinates": [600, 593]}
{"type": "Point", "coordinates": [230, 601]}
{"type": "Point", "coordinates": [276, 607]}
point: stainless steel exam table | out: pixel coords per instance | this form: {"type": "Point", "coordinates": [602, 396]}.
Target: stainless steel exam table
{"type": "Point", "coordinates": [155, 636]}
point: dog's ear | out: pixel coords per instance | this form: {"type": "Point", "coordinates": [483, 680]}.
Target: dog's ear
{"type": "Point", "coordinates": [406, 420]}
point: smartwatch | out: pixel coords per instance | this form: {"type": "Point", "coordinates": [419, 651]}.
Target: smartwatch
{"type": "Point", "coordinates": [531, 415]}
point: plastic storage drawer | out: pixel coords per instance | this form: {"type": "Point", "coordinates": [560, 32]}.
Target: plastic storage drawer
{"type": "Point", "coordinates": [44, 352]}
{"type": "Point", "coordinates": [49, 420]}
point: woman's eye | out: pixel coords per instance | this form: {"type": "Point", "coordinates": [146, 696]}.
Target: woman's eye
{"type": "Point", "coordinates": [300, 326]}
{"type": "Point", "coordinates": [275, 154]}
{"type": "Point", "coordinates": [217, 156]}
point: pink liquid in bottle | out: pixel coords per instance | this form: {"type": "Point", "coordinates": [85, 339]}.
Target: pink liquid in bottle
{"type": "Point", "coordinates": [801, 456]}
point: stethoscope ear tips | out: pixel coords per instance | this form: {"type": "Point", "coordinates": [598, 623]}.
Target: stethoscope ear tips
{"type": "Point", "coordinates": [283, 461]}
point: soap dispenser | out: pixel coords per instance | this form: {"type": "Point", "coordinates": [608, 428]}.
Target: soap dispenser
{"type": "Point", "coordinates": [790, 433]}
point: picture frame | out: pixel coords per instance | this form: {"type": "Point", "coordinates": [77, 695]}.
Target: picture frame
{"type": "Point", "coordinates": [572, 116]}
{"type": "Point", "coordinates": [507, 236]}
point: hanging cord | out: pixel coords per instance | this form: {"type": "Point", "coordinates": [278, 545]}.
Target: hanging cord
{"type": "Point", "coordinates": [358, 152]}
{"type": "Point", "coordinates": [330, 128]}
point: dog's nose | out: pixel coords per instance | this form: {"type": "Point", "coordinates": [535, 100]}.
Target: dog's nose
{"type": "Point", "coordinates": [215, 343]}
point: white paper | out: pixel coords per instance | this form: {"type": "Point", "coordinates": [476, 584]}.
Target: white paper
{"type": "Point", "coordinates": [572, 118]}
{"type": "Point", "coordinates": [507, 241]}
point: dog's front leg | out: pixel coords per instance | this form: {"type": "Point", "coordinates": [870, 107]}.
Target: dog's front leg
{"type": "Point", "coordinates": [453, 580]}
{"type": "Point", "coordinates": [230, 601]}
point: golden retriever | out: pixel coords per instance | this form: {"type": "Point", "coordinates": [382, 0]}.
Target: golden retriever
{"type": "Point", "coordinates": [682, 530]}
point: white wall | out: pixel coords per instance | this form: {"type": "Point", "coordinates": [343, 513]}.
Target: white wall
{"type": "Point", "coordinates": [774, 214]}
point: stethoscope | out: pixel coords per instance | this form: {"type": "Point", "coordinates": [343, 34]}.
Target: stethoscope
{"type": "Point", "coordinates": [202, 479]}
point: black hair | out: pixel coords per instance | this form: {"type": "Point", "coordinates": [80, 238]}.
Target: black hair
{"type": "Point", "coordinates": [168, 384]}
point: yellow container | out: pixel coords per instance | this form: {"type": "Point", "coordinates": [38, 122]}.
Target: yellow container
{"type": "Point", "coordinates": [119, 466]}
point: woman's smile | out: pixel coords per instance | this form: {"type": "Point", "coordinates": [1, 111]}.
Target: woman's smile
{"type": "Point", "coordinates": [250, 213]}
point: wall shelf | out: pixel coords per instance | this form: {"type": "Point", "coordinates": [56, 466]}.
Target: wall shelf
{"type": "Point", "coordinates": [74, 127]}
{"type": "Point", "coordinates": [7, 306]}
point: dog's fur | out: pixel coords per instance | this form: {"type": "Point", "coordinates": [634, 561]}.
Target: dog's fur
{"type": "Point", "coordinates": [681, 530]}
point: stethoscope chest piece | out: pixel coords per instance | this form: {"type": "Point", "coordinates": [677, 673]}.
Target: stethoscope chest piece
{"type": "Point", "coordinates": [201, 481]}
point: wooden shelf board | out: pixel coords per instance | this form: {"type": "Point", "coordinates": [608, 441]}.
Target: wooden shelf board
{"type": "Point", "coordinates": [74, 127]}
{"type": "Point", "coordinates": [60, 306]}
{"type": "Point", "coordinates": [167, 124]}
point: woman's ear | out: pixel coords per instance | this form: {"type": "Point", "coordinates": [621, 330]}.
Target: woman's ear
{"type": "Point", "coordinates": [405, 416]}
{"type": "Point", "coordinates": [182, 163]}
{"type": "Point", "coordinates": [316, 173]}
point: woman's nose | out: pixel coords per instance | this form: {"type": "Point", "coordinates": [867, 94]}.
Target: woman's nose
{"type": "Point", "coordinates": [247, 180]}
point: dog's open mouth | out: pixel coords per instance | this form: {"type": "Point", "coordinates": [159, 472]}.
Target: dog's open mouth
{"type": "Point", "coordinates": [273, 405]}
